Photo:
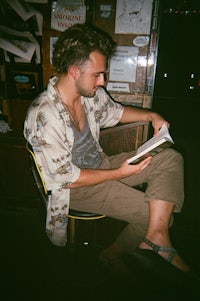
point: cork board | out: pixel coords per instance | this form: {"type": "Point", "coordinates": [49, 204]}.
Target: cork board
{"type": "Point", "coordinates": [105, 15]}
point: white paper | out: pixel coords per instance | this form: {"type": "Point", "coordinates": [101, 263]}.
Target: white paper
{"type": "Point", "coordinates": [133, 16]}
{"type": "Point", "coordinates": [65, 14]}
{"type": "Point", "coordinates": [52, 42]}
{"type": "Point", "coordinates": [26, 11]}
{"type": "Point", "coordinates": [123, 64]}
{"type": "Point", "coordinates": [118, 87]}
{"type": "Point", "coordinates": [21, 44]}
{"type": "Point", "coordinates": [16, 43]}
{"type": "Point", "coordinates": [37, 1]}
{"type": "Point", "coordinates": [22, 9]}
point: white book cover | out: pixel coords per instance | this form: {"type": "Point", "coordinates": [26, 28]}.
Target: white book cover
{"type": "Point", "coordinates": [154, 145]}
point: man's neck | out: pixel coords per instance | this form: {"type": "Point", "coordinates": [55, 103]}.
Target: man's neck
{"type": "Point", "coordinates": [66, 91]}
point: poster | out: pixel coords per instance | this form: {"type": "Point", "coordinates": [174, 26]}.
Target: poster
{"type": "Point", "coordinates": [133, 16]}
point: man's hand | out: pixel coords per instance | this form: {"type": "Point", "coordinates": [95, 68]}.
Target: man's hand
{"type": "Point", "coordinates": [157, 122]}
{"type": "Point", "coordinates": [127, 169]}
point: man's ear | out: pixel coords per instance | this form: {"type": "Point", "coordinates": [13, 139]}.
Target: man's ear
{"type": "Point", "coordinates": [73, 71]}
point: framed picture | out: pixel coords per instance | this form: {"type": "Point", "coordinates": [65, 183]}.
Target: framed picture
{"type": "Point", "coordinates": [23, 84]}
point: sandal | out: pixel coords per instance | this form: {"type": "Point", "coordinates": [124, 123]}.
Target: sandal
{"type": "Point", "coordinates": [145, 254]}
{"type": "Point", "coordinates": [156, 248]}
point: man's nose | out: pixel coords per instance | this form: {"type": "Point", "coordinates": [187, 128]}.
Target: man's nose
{"type": "Point", "coordinates": [101, 79]}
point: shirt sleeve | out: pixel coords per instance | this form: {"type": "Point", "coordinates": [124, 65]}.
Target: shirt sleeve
{"type": "Point", "coordinates": [109, 111]}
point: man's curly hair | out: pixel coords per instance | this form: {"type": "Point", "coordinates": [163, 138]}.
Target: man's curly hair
{"type": "Point", "coordinates": [75, 44]}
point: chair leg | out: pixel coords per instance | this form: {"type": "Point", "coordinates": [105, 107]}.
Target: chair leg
{"type": "Point", "coordinates": [72, 229]}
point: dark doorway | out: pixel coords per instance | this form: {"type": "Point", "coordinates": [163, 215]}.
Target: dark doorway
{"type": "Point", "coordinates": [177, 90]}
{"type": "Point", "coordinates": [177, 80]}
{"type": "Point", "coordinates": [178, 65]}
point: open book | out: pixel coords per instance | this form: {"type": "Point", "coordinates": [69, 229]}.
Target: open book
{"type": "Point", "coordinates": [153, 146]}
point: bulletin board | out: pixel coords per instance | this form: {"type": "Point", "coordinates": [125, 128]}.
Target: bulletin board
{"type": "Point", "coordinates": [134, 77]}
{"type": "Point", "coordinates": [130, 25]}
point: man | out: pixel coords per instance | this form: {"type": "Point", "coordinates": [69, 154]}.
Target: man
{"type": "Point", "coordinates": [63, 125]}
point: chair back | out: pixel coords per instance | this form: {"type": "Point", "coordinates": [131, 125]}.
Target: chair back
{"type": "Point", "coordinates": [35, 170]}
{"type": "Point", "coordinates": [44, 193]}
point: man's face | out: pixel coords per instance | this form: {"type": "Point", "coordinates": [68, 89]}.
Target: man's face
{"type": "Point", "coordinates": [91, 75]}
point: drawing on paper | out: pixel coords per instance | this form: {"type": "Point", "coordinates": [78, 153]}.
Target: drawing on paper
{"type": "Point", "coordinates": [133, 16]}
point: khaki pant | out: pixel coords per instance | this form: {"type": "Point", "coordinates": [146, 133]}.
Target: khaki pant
{"type": "Point", "coordinates": [118, 199]}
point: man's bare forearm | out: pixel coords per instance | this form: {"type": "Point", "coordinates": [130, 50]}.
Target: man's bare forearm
{"type": "Point", "coordinates": [89, 177]}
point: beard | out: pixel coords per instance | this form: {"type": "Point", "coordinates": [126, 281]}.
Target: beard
{"type": "Point", "coordinates": [86, 92]}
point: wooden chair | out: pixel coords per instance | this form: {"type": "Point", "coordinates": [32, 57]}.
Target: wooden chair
{"type": "Point", "coordinates": [44, 193]}
{"type": "Point", "coordinates": [120, 138]}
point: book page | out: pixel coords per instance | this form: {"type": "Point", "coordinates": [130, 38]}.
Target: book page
{"type": "Point", "coordinates": [164, 132]}
{"type": "Point", "coordinates": [154, 145]}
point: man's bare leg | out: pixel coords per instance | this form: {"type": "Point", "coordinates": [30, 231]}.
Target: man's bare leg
{"type": "Point", "coordinates": [158, 233]}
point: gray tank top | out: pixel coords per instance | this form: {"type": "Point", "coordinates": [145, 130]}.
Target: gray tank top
{"type": "Point", "coordinates": [84, 151]}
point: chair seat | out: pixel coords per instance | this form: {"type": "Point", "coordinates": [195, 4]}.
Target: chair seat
{"type": "Point", "coordinates": [84, 215]}
{"type": "Point", "coordinates": [76, 216]}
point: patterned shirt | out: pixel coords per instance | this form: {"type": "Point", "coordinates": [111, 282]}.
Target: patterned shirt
{"type": "Point", "coordinates": [48, 129]}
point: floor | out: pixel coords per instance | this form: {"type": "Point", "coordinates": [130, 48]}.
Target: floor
{"type": "Point", "coordinates": [33, 269]}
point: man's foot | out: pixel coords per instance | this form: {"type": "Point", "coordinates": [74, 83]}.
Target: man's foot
{"type": "Point", "coordinates": [166, 252]}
